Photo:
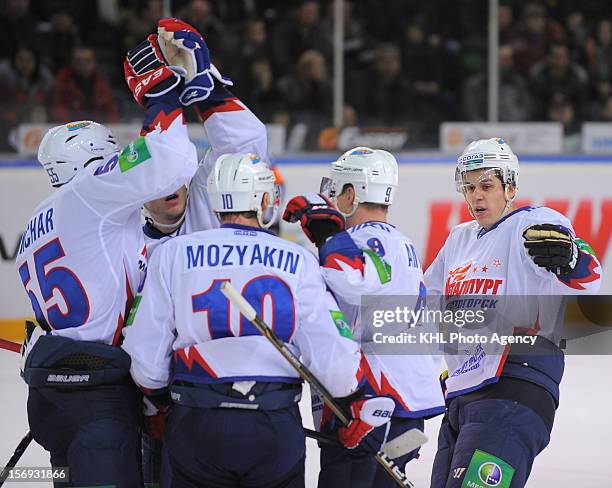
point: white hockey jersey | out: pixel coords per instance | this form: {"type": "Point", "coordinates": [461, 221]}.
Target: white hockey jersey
{"type": "Point", "coordinates": [184, 324]}
{"type": "Point", "coordinates": [494, 263]}
{"type": "Point", "coordinates": [391, 267]}
{"type": "Point", "coordinates": [231, 128]}
{"type": "Point", "coordinates": [82, 256]}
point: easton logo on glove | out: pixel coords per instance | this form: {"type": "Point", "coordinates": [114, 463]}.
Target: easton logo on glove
{"type": "Point", "coordinates": [146, 72]}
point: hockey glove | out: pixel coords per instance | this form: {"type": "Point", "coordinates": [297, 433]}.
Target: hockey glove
{"type": "Point", "coordinates": [317, 216]}
{"type": "Point", "coordinates": [367, 431]}
{"type": "Point", "coordinates": [552, 247]}
{"type": "Point", "coordinates": [155, 410]}
{"type": "Point", "coordinates": [182, 45]}
{"type": "Point", "coordinates": [33, 331]}
{"type": "Point", "coordinates": [146, 72]}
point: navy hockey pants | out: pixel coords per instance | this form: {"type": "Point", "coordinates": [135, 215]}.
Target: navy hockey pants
{"type": "Point", "coordinates": [93, 431]}
{"type": "Point", "coordinates": [155, 461]}
{"type": "Point", "coordinates": [503, 428]}
{"type": "Point", "coordinates": [341, 469]}
{"type": "Point", "coordinates": [225, 447]}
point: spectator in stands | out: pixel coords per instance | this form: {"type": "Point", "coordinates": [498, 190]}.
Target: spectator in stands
{"type": "Point", "coordinates": [80, 91]}
{"type": "Point", "coordinates": [383, 95]}
{"type": "Point", "coordinates": [220, 39]}
{"type": "Point", "coordinates": [599, 50]}
{"type": "Point", "coordinates": [599, 63]}
{"type": "Point", "coordinates": [605, 114]}
{"type": "Point", "coordinates": [535, 33]}
{"type": "Point", "coordinates": [515, 104]}
{"type": "Point", "coordinates": [58, 37]}
{"type": "Point", "coordinates": [253, 45]}
{"type": "Point", "coordinates": [558, 75]}
{"type": "Point", "coordinates": [507, 27]}
{"type": "Point", "coordinates": [297, 33]}
{"type": "Point", "coordinates": [24, 87]}
{"type": "Point", "coordinates": [561, 109]}
{"type": "Point", "coordinates": [422, 62]}
{"type": "Point", "coordinates": [354, 33]}
{"type": "Point", "coordinates": [139, 22]}
{"type": "Point", "coordinates": [261, 94]}
{"type": "Point", "coordinates": [308, 91]}
{"type": "Point", "coordinates": [16, 25]}
{"type": "Point", "coordinates": [577, 36]}
{"type": "Point", "coordinates": [255, 38]}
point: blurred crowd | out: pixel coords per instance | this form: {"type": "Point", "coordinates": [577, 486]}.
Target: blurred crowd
{"type": "Point", "coordinates": [408, 63]}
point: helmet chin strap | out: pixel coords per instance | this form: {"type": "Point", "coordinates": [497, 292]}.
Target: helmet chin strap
{"type": "Point", "coordinates": [353, 210]}
{"type": "Point", "coordinates": [166, 227]}
{"type": "Point", "coordinates": [509, 200]}
{"type": "Point", "coordinates": [266, 225]}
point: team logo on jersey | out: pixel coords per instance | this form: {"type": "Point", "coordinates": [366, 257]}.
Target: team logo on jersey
{"type": "Point", "coordinates": [490, 474]}
{"type": "Point", "coordinates": [459, 282]}
{"type": "Point", "coordinates": [486, 470]}
{"type": "Point", "coordinates": [133, 310]}
{"type": "Point", "coordinates": [341, 323]}
{"type": "Point", "coordinates": [77, 125]}
{"type": "Point", "coordinates": [134, 154]}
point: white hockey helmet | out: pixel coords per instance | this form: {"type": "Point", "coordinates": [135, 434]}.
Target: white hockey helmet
{"type": "Point", "coordinates": [494, 153]}
{"type": "Point", "coordinates": [372, 172]}
{"type": "Point", "coordinates": [66, 149]}
{"type": "Point", "coordinates": [238, 183]}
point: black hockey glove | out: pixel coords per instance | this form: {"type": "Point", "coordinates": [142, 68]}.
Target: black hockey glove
{"type": "Point", "coordinates": [552, 247]}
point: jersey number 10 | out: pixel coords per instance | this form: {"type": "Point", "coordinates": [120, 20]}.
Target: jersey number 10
{"type": "Point", "coordinates": [217, 306]}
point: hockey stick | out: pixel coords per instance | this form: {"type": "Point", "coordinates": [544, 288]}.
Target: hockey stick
{"type": "Point", "coordinates": [321, 437]}
{"type": "Point", "coordinates": [249, 312]}
{"type": "Point", "coordinates": [396, 447]}
{"type": "Point", "coordinates": [19, 450]}
{"type": "Point", "coordinates": [9, 345]}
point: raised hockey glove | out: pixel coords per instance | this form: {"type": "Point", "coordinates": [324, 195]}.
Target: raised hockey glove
{"type": "Point", "coordinates": [317, 216]}
{"type": "Point", "coordinates": [182, 45]}
{"type": "Point", "coordinates": [367, 431]}
{"type": "Point", "coordinates": [552, 247]}
{"type": "Point", "coordinates": [146, 71]}
{"type": "Point", "coordinates": [156, 410]}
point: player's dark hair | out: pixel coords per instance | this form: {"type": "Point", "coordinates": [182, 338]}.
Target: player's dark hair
{"type": "Point", "coordinates": [229, 216]}
{"type": "Point", "coordinates": [375, 206]}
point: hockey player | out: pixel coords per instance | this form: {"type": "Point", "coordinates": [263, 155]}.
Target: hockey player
{"type": "Point", "coordinates": [370, 257]}
{"type": "Point", "coordinates": [501, 407]}
{"type": "Point", "coordinates": [235, 419]}
{"type": "Point", "coordinates": [81, 260]}
{"type": "Point", "coordinates": [231, 128]}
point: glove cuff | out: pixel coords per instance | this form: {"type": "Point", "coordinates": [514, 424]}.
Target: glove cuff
{"type": "Point", "coordinates": [197, 89]}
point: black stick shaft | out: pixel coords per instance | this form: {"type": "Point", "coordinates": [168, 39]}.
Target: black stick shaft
{"type": "Point", "coordinates": [19, 450]}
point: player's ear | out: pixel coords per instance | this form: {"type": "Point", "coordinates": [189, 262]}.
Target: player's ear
{"type": "Point", "coordinates": [511, 191]}
{"type": "Point", "coordinates": [265, 202]}
{"type": "Point", "coordinates": [350, 193]}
